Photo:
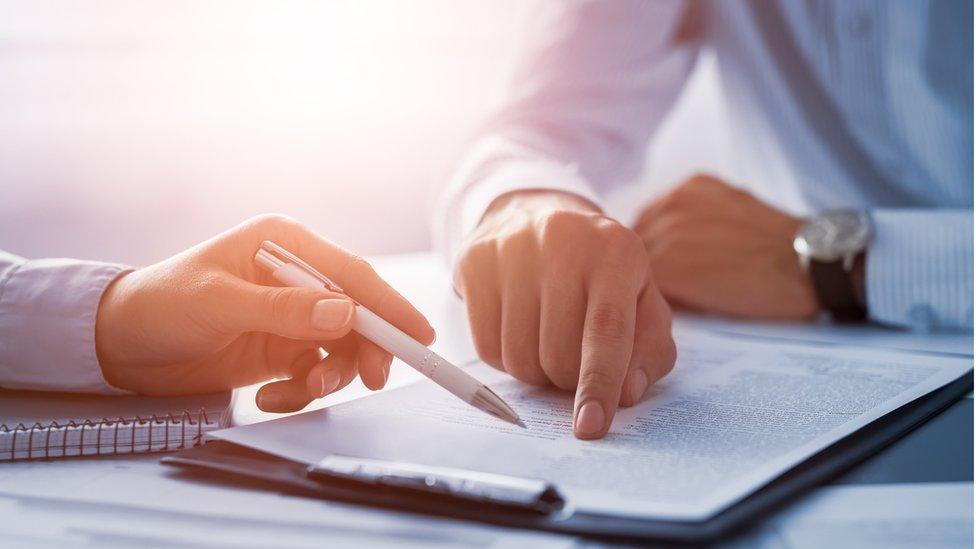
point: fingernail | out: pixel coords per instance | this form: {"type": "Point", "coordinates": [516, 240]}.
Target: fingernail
{"type": "Point", "coordinates": [331, 314]}
{"type": "Point", "coordinates": [330, 380]}
{"type": "Point", "coordinates": [591, 419]}
{"type": "Point", "coordinates": [636, 384]}
{"type": "Point", "coordinates": [268, 401]}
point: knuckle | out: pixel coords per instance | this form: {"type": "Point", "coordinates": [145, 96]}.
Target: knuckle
{"type": "Point", "coordinates": [480, 253]}
{"type": "Point", "coordinates": [557, 227]}
{"type": "Point", "coordinates": [665, 313]}
{"type": "Point", "coordinates": [469, 256]}
{"type": "Point", "coordinates": [598, 378]}
{"type": "Point", "coordinates": [489, 356]}
{"type": "Point", "coordinates": [207, 285]}
{"type": "Point", "coordinates": [691, 188]}
{"type": "Point", "coordinates": [279, 303]}
{"type": "Point", "coordinates": [522, 362]}
{"type": "Point", "coordinates": [564, 379]}
{"type": "Point", "coordinates": [526, 373]}
{"type": "Point", "coordinates": [564, 383]}
{"type": "Point", "coordinates": [671, 223]}
{"type": "Point", "coordinates": [668, 227]}
{"type": "Point", "coordinates": [670, 355]}
{"type": "Point", "coordinates": [559, 371]}
{"type": "Point", "coordinates": [702, 179]}
{"type": "Point", "coordinates": [488, 349]}
{"type": "Point", "coordinates": [271, 221]}
{"type": "Point", "coordinates": [387, 294]}
{"type": "Point", "coordinates": [607, 322]}
{"type": "Point", "coordinates": [667, 356]}
{"type": "Point", "coordinates": [518, 355]}
{"type": "Point", "coordinates": [620, 241]}
{"type": "Point", "coordinates": [357, 268]}
{"type": "Point", "coordinates": [611, 230]}
{"type": "Point", "coordinates": [473, 262]}
{"type": "Point", "coordinates": [679, 194]}
{"type": "Point", "coordinates": [704, 183]}
{"type": "Point", "coordinates": [623, 260]}
{"type": "Point", "coordinates": [516, 246]}
{"type": "Point", "coordinates": [673, 202]}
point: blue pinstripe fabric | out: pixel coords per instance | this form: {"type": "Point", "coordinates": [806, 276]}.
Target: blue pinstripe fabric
{"type": "Point", "coordinates": [920, 268]}
{"type": "Point", "coordinates": [863, 104]}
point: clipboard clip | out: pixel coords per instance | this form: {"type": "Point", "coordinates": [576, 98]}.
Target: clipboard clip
{"type": "Point", "coordinates": [505, 491]}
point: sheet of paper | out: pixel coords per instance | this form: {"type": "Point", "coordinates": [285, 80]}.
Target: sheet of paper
{"type": "Point", "coordinates": [937, 515]}
{"type": "Point", "coordinates": [136, 501]}
{"type": "Point", "coordinates": [731, 417]}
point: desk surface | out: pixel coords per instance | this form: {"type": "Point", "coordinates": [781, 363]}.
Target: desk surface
{"type": "Point", "coordinates": [939, 451]}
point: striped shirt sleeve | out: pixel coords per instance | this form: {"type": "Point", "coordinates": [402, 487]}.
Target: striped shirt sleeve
{"type": "Point", "coordinates": [919, 270]}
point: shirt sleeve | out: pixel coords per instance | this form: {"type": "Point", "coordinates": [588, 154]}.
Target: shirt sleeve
{"type": "Point", "coordinates": [919, 270]}
{"type": "Point", "coordinates": [593, 82]}
{"type": "Point", "coordinates": [47, 323]}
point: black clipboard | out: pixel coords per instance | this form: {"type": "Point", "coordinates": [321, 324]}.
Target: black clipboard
{"type": "Point", "coordinates": [430, 492]}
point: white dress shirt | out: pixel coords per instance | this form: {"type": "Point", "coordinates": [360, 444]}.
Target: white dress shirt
{"type": "Point", "coordinates": [870, 101]}
{"type": "Point", "coordinates": [47, 323]}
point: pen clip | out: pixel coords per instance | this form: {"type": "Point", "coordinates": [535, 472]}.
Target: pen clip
{"type": "Point", "coordinates": [273, 256]}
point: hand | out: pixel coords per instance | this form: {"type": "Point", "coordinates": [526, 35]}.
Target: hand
{"type": "Point", "coordinates": [558, 293]}
{"type": "Point", "coordinates": [208, 319]}
{"type": "Point", "coordinates": [719, 249]}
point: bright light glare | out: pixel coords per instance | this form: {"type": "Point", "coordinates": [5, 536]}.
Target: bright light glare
{"type": "Point", "coordinates": [133, 129]}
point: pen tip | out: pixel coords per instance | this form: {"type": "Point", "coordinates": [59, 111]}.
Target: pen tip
{"type": "Point", "coordinates": [486, 400]}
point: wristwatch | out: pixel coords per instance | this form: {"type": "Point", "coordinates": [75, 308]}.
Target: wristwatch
{"type": "Point", "coordinates": [829, 246]}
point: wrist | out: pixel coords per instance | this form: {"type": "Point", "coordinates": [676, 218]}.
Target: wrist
{"type": "Point", "coordinates": [857, 280]}
{"type": "Point", "coordinates": [541, 201]}
{"type": "Point", "coordinates": [107, 330]}
{"type": "Point", "coordinates": [831, 247]}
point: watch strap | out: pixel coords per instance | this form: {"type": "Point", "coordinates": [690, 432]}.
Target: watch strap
{"type": "Point", "coordinates": [836, 291]}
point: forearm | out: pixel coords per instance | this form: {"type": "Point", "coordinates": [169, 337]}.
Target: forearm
{"type": "Point", "coordinates": [592, 85]}
{"type": "Point", "coordinates": [919, 268]}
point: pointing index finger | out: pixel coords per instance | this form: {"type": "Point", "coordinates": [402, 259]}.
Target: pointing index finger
{"type": "Point", "coordinates": [608, 340]}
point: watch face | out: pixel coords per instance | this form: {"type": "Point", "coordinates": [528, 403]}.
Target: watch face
{"type": "Point", "coordinates": [833, 236]}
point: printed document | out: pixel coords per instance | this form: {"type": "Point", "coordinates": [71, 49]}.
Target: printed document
{"type": "Point", "coordinates": [731, 417]}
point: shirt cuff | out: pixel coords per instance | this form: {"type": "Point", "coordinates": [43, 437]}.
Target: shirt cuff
{"type": "Point", "coordinates": [919, 270]}
{"type": "Point", "coordinates": [47, 325]}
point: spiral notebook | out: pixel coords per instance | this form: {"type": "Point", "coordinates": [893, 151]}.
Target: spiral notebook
{"type": "Point", "coordinates": [39, 425]}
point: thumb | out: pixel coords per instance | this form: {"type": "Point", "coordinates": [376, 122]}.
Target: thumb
{"type": "Point", "coordinates": [297, 313]}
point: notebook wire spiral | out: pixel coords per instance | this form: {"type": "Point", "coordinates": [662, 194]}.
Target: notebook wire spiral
{"type": "Point", "coordinates": [121, 435]}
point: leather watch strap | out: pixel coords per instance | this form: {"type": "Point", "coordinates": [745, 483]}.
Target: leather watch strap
{"type": "Point", "coordinates": [836, 291]}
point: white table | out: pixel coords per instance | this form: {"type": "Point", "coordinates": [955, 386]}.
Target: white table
{"type": "Point", "coordinates": [125, 501]}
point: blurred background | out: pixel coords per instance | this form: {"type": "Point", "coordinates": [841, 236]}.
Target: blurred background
{"type": "Point", "coordinates": [130, 130]}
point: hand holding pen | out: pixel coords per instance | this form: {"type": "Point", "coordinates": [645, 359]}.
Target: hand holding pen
{"type": "Point", "coordinates": [209, 319]}
{"type": "Point", "coordinates": [291, 270]}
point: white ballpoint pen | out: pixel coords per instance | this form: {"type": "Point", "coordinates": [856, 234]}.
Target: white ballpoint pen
{"type": "Point", "coordinates": [290, 270]}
